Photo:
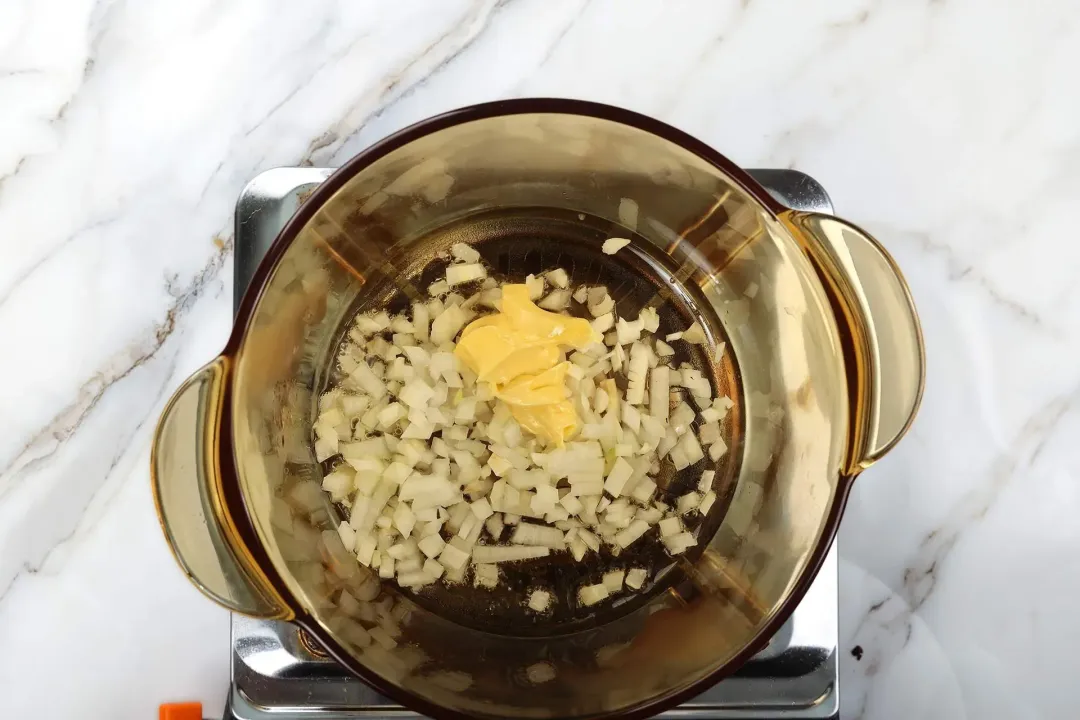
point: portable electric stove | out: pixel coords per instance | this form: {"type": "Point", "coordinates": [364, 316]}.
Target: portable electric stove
{"type": "Point", "coordinates": [277, 674]}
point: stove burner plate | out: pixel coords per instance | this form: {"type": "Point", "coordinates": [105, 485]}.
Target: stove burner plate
{"type": "Point", "coordinates": [276, 676]}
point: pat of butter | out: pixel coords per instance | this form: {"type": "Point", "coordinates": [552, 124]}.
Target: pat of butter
{"type": "Point", "coordinates": [519, 350]}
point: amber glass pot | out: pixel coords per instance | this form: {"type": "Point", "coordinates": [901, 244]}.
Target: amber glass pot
{"type": "Point", "coordinates": [823, 354]}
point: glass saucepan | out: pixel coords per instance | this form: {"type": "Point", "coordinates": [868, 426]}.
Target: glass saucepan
{"type": "Point", "coordinates": [811, 332]}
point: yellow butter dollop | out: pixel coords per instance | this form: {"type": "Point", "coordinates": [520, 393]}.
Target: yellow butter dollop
{"type": "Point", "coordinates": [519, 350]}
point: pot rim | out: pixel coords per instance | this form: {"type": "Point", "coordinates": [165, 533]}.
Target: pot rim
{"type": "Point", "coordinates": [317, 199]}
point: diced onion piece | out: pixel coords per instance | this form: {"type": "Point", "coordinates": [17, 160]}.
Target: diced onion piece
{"type": "Point", "coordinates": [432, 545]}
{"type": "Point", "coordinates": [590, 540]}
{"type": "Point", "coordinates": [556, 300]}
{"type": "Point", "coordinates": [404, 519]}
{"type": "Point", "coordinates": [486, 575]}
{"type": "Point", "coordinates": [600, 303]}
{"type": "Point", "coordinates": [581, 294]}
{"type": "Point", "coordinates": [461, 274]}
{"type": "Point", "coordinates": [558, 277]}
{"type": "Point", "coordinates": [433, 567]}
{"type": "Point", "coordinates": [691, 449]}
{"type": "Point", "coordinates": [453, 557]}
{"type": "Point", "coordinates": [447, 325]}
{"type": "Point", "coordinates": [677, 544]}
{"type": "Point", "coordinates": [649, 318]}
{"type": "Point", "coordinates": [717, 450]}
{"type": "Point", "coordinates": [464, 253]}
{"type": "Point", "coordinates": [709, 432]}
{"type": "Point", "coordinates": [487, 554]}
{"type": "Point", "coordinates": [614, 245]}
{"type": "Point", "coordinates": [592, 594]}
{"type": "Point", "coordinates": [494, 525]}
{"type": "Point", "coordinates": [694, 334]}
{"type": "Point", "coordinates": [670, 526]}
{"type": "Point", "coordinates": [626, 538]}
{"type": "Point", "coordinates": [416, 393]}
{"type": "Point", "coordinates": [681, 418]}
{"type": "Point", "coordinates": [658, 393]}
{"type": "Point", "coordinates": [628, 332]}
{"type": "Point", "coordinates": [390, 414]}
{"type": "Point", "coordinates": [636, 577]}
{"type": "Point", "coordinates": [414, 578]}
{"type": "Point", "coordinates": [366, 545]}
{"type": "Point", "coordinates": [482, 509]}
{"type": "Point", "coordinates": [620, 474]}
{"type": "Point", "coordinates": [535, 285]}
{"type": "Point", "coordinates": [613, 580]}
{"type": "Point", "coordinates": [539, 600]}
{"type": "Point", "coordinates": [663, 349]}
{"type": "Point", "coordinates": [586, 485]}
{"type": "Point", "coordinates": [639, 367]}
{"type": "Point", "coordinates": [572, 504]}
{"type": "Point", "coordinates": [643, 490]}
{"type": "Point", "coordinates": [468, 525]}
{"type": "Point", "coordinates": [706, 481]}
{"type": "Point", "coordinates": [688, 502]}
{"type": "Point", "coordinates": [538, 535]}
{"type": "Point", "coordinates": [604, 322]}
{"type": "Point", "coordinates": [707, 502]}
{"type": "Point", "coordinates": [339, 484]}
{"type": "Point", "coordinates": [365, 378]}
{"type": "Point", "coordinates": [347, 535]}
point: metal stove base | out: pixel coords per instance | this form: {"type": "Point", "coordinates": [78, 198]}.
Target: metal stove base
{"type": "Point", "coordinates": [276, 677]}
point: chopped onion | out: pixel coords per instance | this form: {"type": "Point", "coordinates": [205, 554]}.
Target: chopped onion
{"type": "Point", "coordinates": [508, 553]}
{"type": "Point", "coordinates": [539, 535]}
{"type": "Point", "coordinates": [618, 477]}
{"type": "Point", "coordinates": [486, 575]}
{"type": "Point", "coordinates": [558, 277]}
{"type": "Point", "coordinates": [535, 286]}
{"type": "Point", "coordinates": [604, 322]}
{"type": "Point", "coordinates": [670, 526]}
{"type": "Point", "coordinates": [447, 324]}
{"type": "Point", "coordinates": [678, 544]}
{"type": "Point", "coordinates": [461, 274]}
{"type": "Point", "coordinates": [591, 594]}
{"type": "Point", "coordinates": [432, 545]}
{"type": "Point", "coordinates": [636, 577]}
{"type": "Point", "coordinates": [707, 502]}
{"type": "Point", "coordinates": [613, 580]}
{"type": "Point", "coordinates": [706, 481]}
{"type": "Point", "coordinates": [694, 334]}
{"type": "Point", "coordinates": [626, 538]}
{"type": "Point", "coordinates": [464, 253]}
{"type": "Point", "coordinates": [658, 393]}
{"type": "Point", "coordinates": [539, 600]}
{"type": "Point", "coordinates": [453, 557]}
{"type": "Point", "coordinates": [431, 459]}
{"type": "Point", "coordinates": [613, 245]}
{"type": "Point", "coordinates": [556, 300]}
{"type": "Point", "coordinates": [688, 503]}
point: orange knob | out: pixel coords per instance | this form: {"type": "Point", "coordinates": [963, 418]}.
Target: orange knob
{"type": "Point", "coordinates": [180, 711]}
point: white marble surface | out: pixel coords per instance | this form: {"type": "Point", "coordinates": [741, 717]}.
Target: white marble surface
{"type": "Point", "coordinates": [947, 127]}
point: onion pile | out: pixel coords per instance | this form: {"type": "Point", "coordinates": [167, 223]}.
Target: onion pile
{"type": "Point", "coordinates": [443, 485]}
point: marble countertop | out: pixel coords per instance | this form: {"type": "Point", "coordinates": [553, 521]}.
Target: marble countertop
{"type": "Point", "coordinates": [948, 128]}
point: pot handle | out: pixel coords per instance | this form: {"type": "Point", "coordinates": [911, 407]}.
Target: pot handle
{"type": "Point", "coordinates": [185, 470]}
{"type": "Point", "coordinates": [875, 303]}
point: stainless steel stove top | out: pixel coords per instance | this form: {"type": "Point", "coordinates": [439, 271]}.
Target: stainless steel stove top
{"type": "Point", "coordinates": [277, 676]}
